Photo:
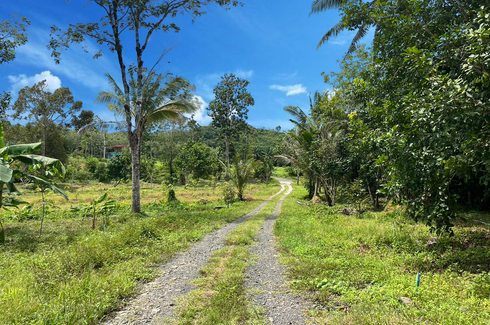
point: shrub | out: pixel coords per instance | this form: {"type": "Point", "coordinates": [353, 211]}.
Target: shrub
{"type": "Point", "coordinates": [229, 194]}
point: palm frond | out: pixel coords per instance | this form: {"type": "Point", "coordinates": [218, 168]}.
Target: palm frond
{"type": "Point", "coordinates": [298, 114]}
{"type": "Point", "coordinates": [104, 126]}
{"type": "Point", "coordinates": [361, 33]}
{"type": "Point", "coordinates": [170, 111]}
{"type": "Point", "coordinates": [333, 32]}
{"type": "Point", "coordinates": [114, 86]}
{"type": "Point", "coordinates": [106, 97]}
{"type": "Point", "coordinates": [322, 5]}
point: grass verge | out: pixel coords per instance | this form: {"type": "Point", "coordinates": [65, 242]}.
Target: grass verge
{"type": "Point", "coordinates": [73, 275]}
{"type": "Point", "coordinates": [221, 297]}
{"type": "Point", "coordinates": [358, 267]}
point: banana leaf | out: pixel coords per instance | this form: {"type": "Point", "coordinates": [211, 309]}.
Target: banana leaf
{"type": "Point", "coordinates": [43, 182]}
{"type": "Point", "coordinates": [41, 160]}
{"type": "Point", "coordinates": [5, 172]}
{"type": "Point", "coordinates": [20, 149]}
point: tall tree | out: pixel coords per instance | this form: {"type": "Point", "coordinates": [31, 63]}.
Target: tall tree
{"type": "Point", "coordinates": [229, 110]}
{"type": "Point", "coordinates": [143, 18]}
{"type": "Point", "coordinates": [45, 108]}
{"type": "Point", "coordinates": [84, 118]}
{"type": "Point", "coordinates": [12, 35]}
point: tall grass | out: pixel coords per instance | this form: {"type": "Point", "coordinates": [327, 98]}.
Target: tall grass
{"type": "Point", "coordinates": [357, 268]}
{"type": "Point", "coordinates": [73, 275]}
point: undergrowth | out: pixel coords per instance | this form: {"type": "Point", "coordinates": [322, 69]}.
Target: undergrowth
{"type": "Point", "coordinates": [358, 267]}
{"type": "Point", "coordinates": [75, 275]}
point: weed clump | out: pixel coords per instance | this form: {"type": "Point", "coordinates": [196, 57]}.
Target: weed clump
{"type": "Point", "coordinates": [171, 197]}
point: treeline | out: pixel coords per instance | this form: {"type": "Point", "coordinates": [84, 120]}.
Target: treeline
{"type": "Point", "coordinates": [408, 119]}
{"type": "Point", "coordinates": [173, 151]}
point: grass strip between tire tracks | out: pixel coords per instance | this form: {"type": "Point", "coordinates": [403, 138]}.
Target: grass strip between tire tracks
{"type": "Point", "coordinates": [221, 297]}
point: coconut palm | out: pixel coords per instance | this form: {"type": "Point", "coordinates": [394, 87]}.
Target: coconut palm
{"type": "Point", "coordinates": [319, 6]}
{"type": "Point", "coordinates": [163, 97]}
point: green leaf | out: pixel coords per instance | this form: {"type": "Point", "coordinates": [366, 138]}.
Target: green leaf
{"type": "Point", "coordinates": [45, 183]}
{"type": "Point", "coordinates": [13, 202]}
{"type": "Point", "coordinates": [5, 173]}
{"type": "Point", "coordinates": [11, 189]}
{"type": "Point", "coordinates": [31, 160]}
{"type": "Point", "coordinates": [20, 149]}
{"type": "Point", "coordinates": [100, 199]}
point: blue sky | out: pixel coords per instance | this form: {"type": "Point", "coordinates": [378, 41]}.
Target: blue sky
{"type": "Point", "coordinates": [271, 43]}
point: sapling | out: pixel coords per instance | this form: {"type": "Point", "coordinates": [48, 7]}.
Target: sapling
{"type": "Point", "coordinates": [229, 194]}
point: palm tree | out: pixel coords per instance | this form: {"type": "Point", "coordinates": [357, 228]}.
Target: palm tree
{"type": "Point", "coordinates": [242, 173]}
{"type": "Point", "coordinates": [163, 97]}
{"type": "Point", "coordinates": [319, 6]}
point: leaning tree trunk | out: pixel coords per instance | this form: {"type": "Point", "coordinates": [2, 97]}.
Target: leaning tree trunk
{"type": "Point", "coordinates": [327, 194]}
{"type": "Point", "coordinates": [43, 146]}
{"type": "Point", "coordinates": [135, 145]}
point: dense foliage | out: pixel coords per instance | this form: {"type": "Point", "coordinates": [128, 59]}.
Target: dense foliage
{"type": "Point", "coordinates": [408, 117]}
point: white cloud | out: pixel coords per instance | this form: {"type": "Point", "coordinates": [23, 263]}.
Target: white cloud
{"type": "Point", "coordinates": [290, 90]}
{"type": "Point", "coordinates": [200, 115]}
{"type": "Point", "coordinates": [286, 76]}
{"type": "Point", "coordinates": [72, 66]}
{"type": "Point", "coordinates": [21, 81]}
{"type": "Point", "coordinates": [245, 74]}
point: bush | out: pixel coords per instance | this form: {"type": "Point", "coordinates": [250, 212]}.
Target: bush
{"type": "Point", "coordinates": [171, 196]}
{"type": "Point", "coordinates": [229, 194]}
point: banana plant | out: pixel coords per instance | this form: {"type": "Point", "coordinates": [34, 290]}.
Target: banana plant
{"type": "Point", "coordinates": [97, 206]}
{"type": "Point", "coordinates": [23, 153]}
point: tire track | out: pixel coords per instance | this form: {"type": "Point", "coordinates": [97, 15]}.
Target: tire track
{"type": "Point", "coordinates": [157, 299]}
{"type": "Point", "coordinates": [266, 277]}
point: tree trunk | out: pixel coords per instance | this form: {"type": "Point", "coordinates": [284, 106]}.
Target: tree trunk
{"type": "Point", "coordinates": [104, 144]}
{"type": "Point", "coordinates": [327, 195]}
{"type": "Point", "coordinates": [297, 175]}
{"type": "Point", "coordinates": [170, 163]}
{"type": "Point", "coordinates": [373, 200]}
{"type": "Point", "coordinates": [43, 148]}
{"type": "Point", "coordinates": [151, 162]}
{"type": "Point", "coordinates": [227, 158]}
{"type": "Point", "coordinates": [135, 145]}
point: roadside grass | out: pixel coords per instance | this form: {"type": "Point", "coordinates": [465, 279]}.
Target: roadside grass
{"type": "Point", "coordinates": [356, 268]}
{"type": "Point", "coordinates": [75, 275]}
{"type": "Point", "coordinates": [221, 297]}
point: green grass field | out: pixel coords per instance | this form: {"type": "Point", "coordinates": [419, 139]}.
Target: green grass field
{"type": "Point", "coordinates": [357, 267]}
{"type": "Point", "coordinates": [75, 275]}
